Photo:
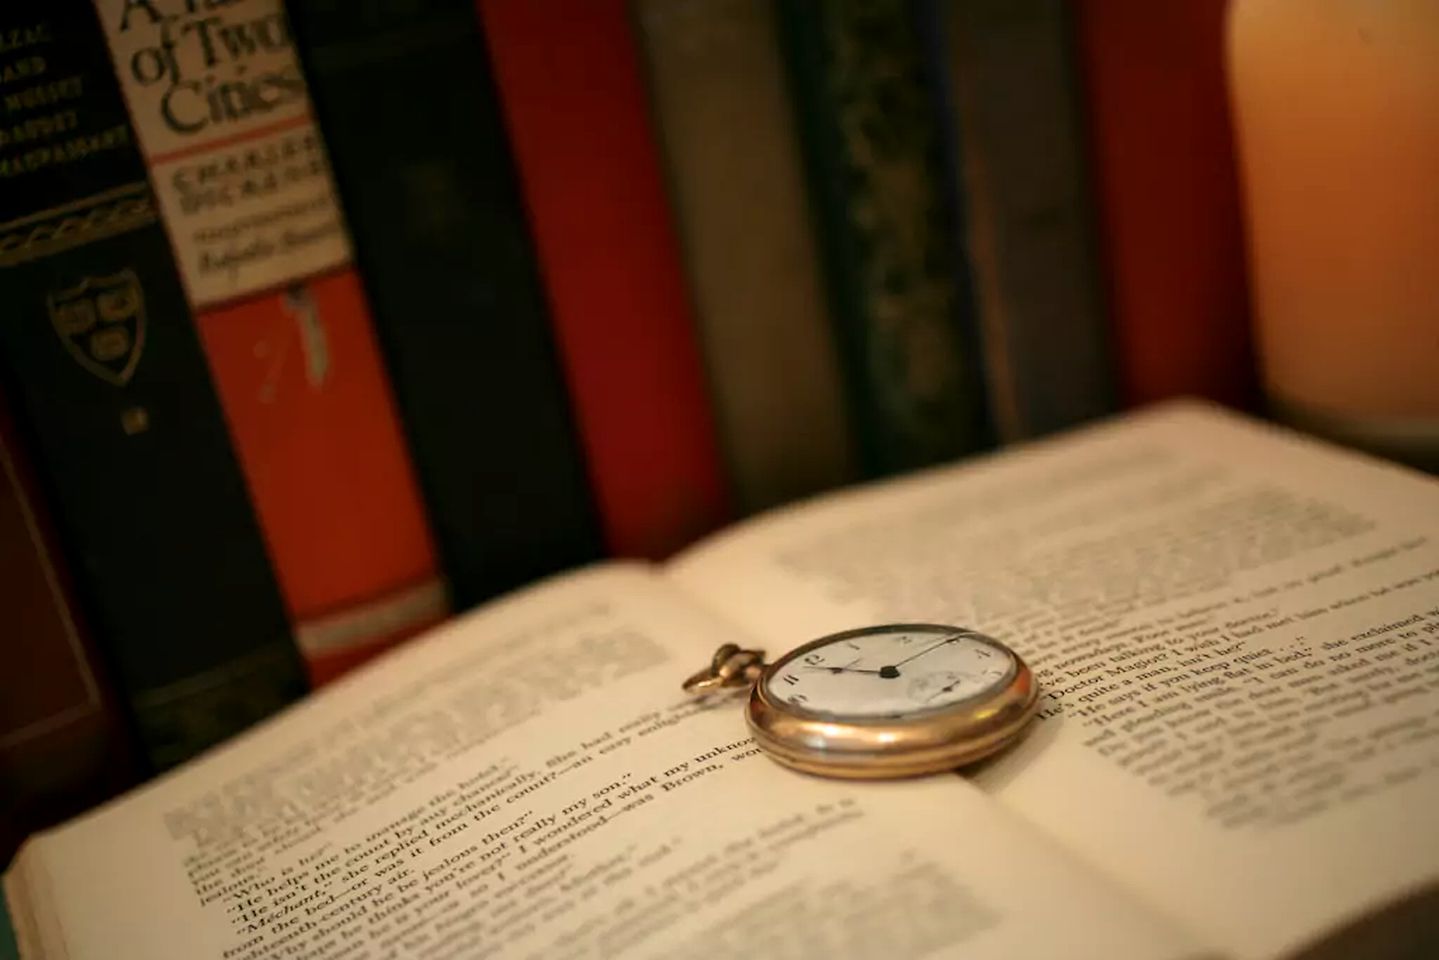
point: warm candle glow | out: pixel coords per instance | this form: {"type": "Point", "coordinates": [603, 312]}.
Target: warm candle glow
{"type": "Point", "coordinates": [1337, 112]}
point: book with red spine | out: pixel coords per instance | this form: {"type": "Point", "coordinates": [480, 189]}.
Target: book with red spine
{"type": "Point", "coordinates": [1162, 159]}
{"type": "Point", "coordinates": [572, 91]}
{"type": "Point", "coordinates": [223, 116]}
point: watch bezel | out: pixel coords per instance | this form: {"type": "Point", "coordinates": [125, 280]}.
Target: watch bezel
{"type": "Point", "coordinates": [927, 741]}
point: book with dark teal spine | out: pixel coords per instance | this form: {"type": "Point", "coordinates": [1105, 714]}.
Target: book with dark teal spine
{"type": "Point", "coordinates": [104, 371]}
{"type": "Point", "coordinates": [873, 147]}
{"type": "Point", "coordinates": [931, 23]}
{"type": "Point", "coordinates": [8, 948]}
{"type": "Point", "coordinates": [407, 105]}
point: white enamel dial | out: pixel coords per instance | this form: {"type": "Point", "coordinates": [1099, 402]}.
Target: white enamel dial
{"type": "Point", "coordinates": [890, 672]}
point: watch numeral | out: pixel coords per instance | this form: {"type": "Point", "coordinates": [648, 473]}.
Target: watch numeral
{"type": "Point", "coordinates": [790, 679]}
{"type": "Point", "coordinates": [798, 698]}
{"type": "Point", "coordinates": [813, 659]}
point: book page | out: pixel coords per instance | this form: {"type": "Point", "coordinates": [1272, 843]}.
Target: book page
{"type": "Point", "coordinates": [1237, 632]}
{"type": "Point", "coordinates": [531, 782]}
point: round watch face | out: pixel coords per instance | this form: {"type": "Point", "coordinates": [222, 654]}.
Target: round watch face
{"type": "Point", "coordinates": [890, 672]}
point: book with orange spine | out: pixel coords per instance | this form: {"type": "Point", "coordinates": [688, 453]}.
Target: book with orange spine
{"type": "Point", "coordinates": [572, 91]}
{"type": "Point", "coordinates": [222, 114]}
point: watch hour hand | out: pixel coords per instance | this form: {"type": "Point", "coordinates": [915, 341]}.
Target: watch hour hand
{"type": "Point", "coordinates": [839, 669]}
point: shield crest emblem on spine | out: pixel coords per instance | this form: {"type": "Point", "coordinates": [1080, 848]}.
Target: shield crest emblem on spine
{"type": "Point", "coordinates": [101, 321]}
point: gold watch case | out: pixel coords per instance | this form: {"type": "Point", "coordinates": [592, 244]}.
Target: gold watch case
{"type": "Point", "coordinates": [928, 741]}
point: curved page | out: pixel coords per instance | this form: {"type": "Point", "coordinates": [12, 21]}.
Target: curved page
{"type": "Point", "coordinates": [1238, 631]}
{"type": "Point", "coordinates": [531, 782]}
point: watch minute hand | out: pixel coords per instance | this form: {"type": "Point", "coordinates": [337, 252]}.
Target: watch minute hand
{"type": "Point", "coordinates": [939, 643]}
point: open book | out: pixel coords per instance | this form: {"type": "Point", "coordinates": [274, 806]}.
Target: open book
{"type": "Point", "coordinates": [1237, 754]}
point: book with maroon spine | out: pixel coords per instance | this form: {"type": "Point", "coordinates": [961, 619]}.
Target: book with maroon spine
{"type": "Point", "coordinates": [64, 745]}
{"type": "Point", "coordinates": [222, 114]}
{"type": "Point", "coordinates": [441, 237]}
{"type": "Point", "coordinates": [108, 385]}
{"type": "Point", "coordinates": [571, 87]}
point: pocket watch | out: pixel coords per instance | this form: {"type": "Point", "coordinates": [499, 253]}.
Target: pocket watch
{"type": "Point", "coordinates": [897, 700]}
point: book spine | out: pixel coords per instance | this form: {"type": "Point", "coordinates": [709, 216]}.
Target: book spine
{"type": "Point", "coordinates": [441, 236]}
{"type": "Point", "coordinates": [107, 377]}
{"type": "Point", "coordinates": [575, 106]}
{"type": "Point", "coordinates": [63, 743]}
{"type": "Point", "coordinates": [872, 145]}
{"type": "Point", "coordinates": [222, 114]}
{"type": "Point", "coordinates": [931, 23]}
{"type": "Point", "coordinates": [723, 116]}
{"type": "Point", "coordinates": [1033, 244]}
{"type": "Point", "coordinates": [1162, 149]}
{"type": "Point", "coordinates": [9, 947]}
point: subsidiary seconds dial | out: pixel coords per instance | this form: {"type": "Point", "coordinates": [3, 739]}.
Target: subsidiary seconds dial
{"type": "Point", "coordinates": [892, 671]}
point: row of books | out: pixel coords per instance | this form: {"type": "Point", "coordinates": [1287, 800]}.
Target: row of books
{"type": "Point", "coordinates": [326, 319]}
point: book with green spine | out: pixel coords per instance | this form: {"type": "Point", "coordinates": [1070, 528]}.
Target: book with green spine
{"type": "Point", "coordinates": [872, 144]}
